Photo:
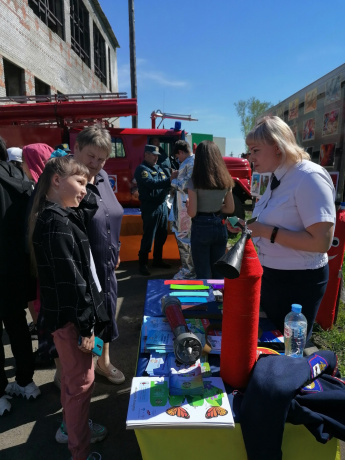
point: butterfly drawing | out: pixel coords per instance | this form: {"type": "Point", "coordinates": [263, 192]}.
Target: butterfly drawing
{"type": "Point", "coordinates": [178, 412]}
{"type": "Point", "coordinates": [215, 411]}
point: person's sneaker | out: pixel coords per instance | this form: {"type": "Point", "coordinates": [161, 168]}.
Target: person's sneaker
{"type": "Point", "coordinates": [33, 330]}
{"type": "Point", "coordinates": [5, 405]}
{"type": "Point", "coordinates": [143, 269]}
{"type": "Point", "coordinates": [94, 456]}
{"type": "Point", "coordinates": [98, 433]}
{"type": "Point", "coordinates": [113, 375]}
{"type": "Point", "coordinates": [29, 391]}
{"type": "Point", "coordinates": [160, 264]}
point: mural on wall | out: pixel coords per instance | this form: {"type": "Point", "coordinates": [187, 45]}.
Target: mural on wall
{"type": "Point", "coordinates": [333, 90]}
{"type": "Point", "coordinates": [293, 109]}
{"type": "Point", "coordinates": [327, 153]}
{"type": "Point", "coordinates": [280, 112]}
{"type": "Point", "coordinates": [310, 101]}
{"type": "Point", "coordinates": [294, 130]}
{"type": "Point", "coordinates": [308, 130]}
{"type": "Point", "coordinates": [330, 123]}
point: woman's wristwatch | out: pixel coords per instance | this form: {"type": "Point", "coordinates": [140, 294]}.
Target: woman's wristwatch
{"type": "Point", "coordinates": [274, 234]}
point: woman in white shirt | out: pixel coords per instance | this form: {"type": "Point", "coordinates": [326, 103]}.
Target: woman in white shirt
{"type": "Point", "coordinates": [295, 222]}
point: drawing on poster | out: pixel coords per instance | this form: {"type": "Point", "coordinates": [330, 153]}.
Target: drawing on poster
{"type": "Point", "coordinates": [330, 123]}
{"type": "Point", "coordinates": [280, 112]}
{"type": "Point", "coordinates": [310, 101]}
{"type": "Point", "coordinates": [309, 130]}
{"type": "Point", "coordinates": [333, 90]}
{"type": "Point", "coordinates": [255, 188]}
{"type": "Point", "coordinates": [327, 154]}
{"type": "Point", "coordinates": [293, 109]}
{"type": "Point", "coordinates": [265, 179]}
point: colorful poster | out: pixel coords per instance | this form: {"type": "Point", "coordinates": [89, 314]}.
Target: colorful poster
{"type": "Point", "coordinates": [327, 155]}
{"type": "Point", "coordinates": [265, 179]}
{"type": "Point", "coordinates": [310, 101]}
{"type": "Point", "coordinates": [293, 109]}
{"type": "Point", "coordinates": [280, 112]}
{"type": "Point", "coordinates": [309, 130]}
{"type": "Point", "coordinates": [330, 123]}
{"type": "Point", "coordinates": [255, 188]}
{"type": "Point", "coordinates": [333, 90]}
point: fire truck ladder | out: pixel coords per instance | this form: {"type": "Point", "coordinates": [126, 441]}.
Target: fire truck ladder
{"type": "Point", "coordinates": [159, 114]}
{"type": "Point", "coordinates": [65, 108]}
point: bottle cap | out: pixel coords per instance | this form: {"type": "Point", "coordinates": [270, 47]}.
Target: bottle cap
{"type": "Point", "coordinates": [296, 308]}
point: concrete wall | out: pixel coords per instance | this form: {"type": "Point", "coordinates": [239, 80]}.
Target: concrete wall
{"type": "Point", "coordinates": [26, 41]}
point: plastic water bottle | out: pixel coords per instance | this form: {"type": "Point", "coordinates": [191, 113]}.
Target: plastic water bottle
{"type": "Point", "coordinates": [295, 332]}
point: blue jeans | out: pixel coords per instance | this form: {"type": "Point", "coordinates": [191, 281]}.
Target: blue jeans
{"type": "Point", "coordinates": [208, 243]}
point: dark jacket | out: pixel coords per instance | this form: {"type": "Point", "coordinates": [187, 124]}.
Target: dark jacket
{"type": "Point", "coordinates": [15, 191]}
{"type": "Point", "coordinates": [153, 183]}
{"type": "Point", "coordinates": [68, 291]}
{"type": "Point", "coordinates": [297, 390]}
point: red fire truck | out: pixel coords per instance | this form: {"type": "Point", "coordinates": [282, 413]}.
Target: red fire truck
{"type": "Point", "coordinates": [58, 119]}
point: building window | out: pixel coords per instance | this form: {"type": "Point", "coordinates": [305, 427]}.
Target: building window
{"type": "Point", "coordinates": [80, 30]}
{"type": "Point", "coordinates": [99, 54]}
{"type": "Point", "coordinates": [14, 79]}
{"type": "Point", "coordinates": [42, 89]}
{"type": "Point", "coordinates": [51, 13]}
{"type": "Point", "coordinates": [109, 72]}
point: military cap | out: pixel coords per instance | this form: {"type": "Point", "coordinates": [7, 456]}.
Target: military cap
{"type": "Point", "coordinates": [152, 149]}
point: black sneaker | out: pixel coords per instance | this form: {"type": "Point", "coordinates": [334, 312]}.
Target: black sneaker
{"type": "Point", "coordinates": [143, 269]}
{"type": "Point", "coordinates": [33, 331]}
{"type": "Point", "coordinates": [160, 264]}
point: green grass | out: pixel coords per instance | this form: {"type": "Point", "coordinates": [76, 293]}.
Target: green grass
{"type": "Point", "coordinates": [334, 339]}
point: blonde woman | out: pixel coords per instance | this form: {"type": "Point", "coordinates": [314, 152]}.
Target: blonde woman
{"type": "Point", "coordinates": [295, 222]}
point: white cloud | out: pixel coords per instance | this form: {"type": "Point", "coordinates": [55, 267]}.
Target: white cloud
{"type": "Point", "coordinates": [160, 78]}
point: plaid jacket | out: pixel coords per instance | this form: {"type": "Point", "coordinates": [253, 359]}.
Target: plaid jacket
{"type": "Point", "coordinates": [67, 288]}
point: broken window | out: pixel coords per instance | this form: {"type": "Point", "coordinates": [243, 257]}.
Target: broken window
{"type": "Point", "coordinates": [99, 55]}
{"type": "Point", "coordinates": [42, 89]}
{"type": "Point", "coordinates": [80, 30]}
{"type": "Point", "coordinates": [14, 79]}
{"type": "Point", "coordinates": [51, 13]}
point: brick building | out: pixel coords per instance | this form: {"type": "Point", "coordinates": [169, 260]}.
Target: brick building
{"type": "Point", "coordinates": [56, 46]}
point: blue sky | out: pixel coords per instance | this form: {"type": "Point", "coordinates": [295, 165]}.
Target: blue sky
{"type": "Point", "coordinates": [199, 57]}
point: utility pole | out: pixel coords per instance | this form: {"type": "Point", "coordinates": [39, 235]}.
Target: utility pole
{"type": "Point", "coordinates": [133, 65]}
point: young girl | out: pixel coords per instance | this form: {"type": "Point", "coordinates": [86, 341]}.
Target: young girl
{"type": "Point", "coordinates": [69, 290]}
{"type": "Point", "coordinates": [209, 196]}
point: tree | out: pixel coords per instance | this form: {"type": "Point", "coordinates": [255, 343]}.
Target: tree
{"type": "Point", "coordinates": [249, 111]}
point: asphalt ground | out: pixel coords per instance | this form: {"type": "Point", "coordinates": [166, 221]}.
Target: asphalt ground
{"type": "Point", "coordinates": [28, 431]}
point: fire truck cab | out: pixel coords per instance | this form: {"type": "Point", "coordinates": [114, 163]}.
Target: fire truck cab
{"type": "Point", "coordinates": [58, 119]}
